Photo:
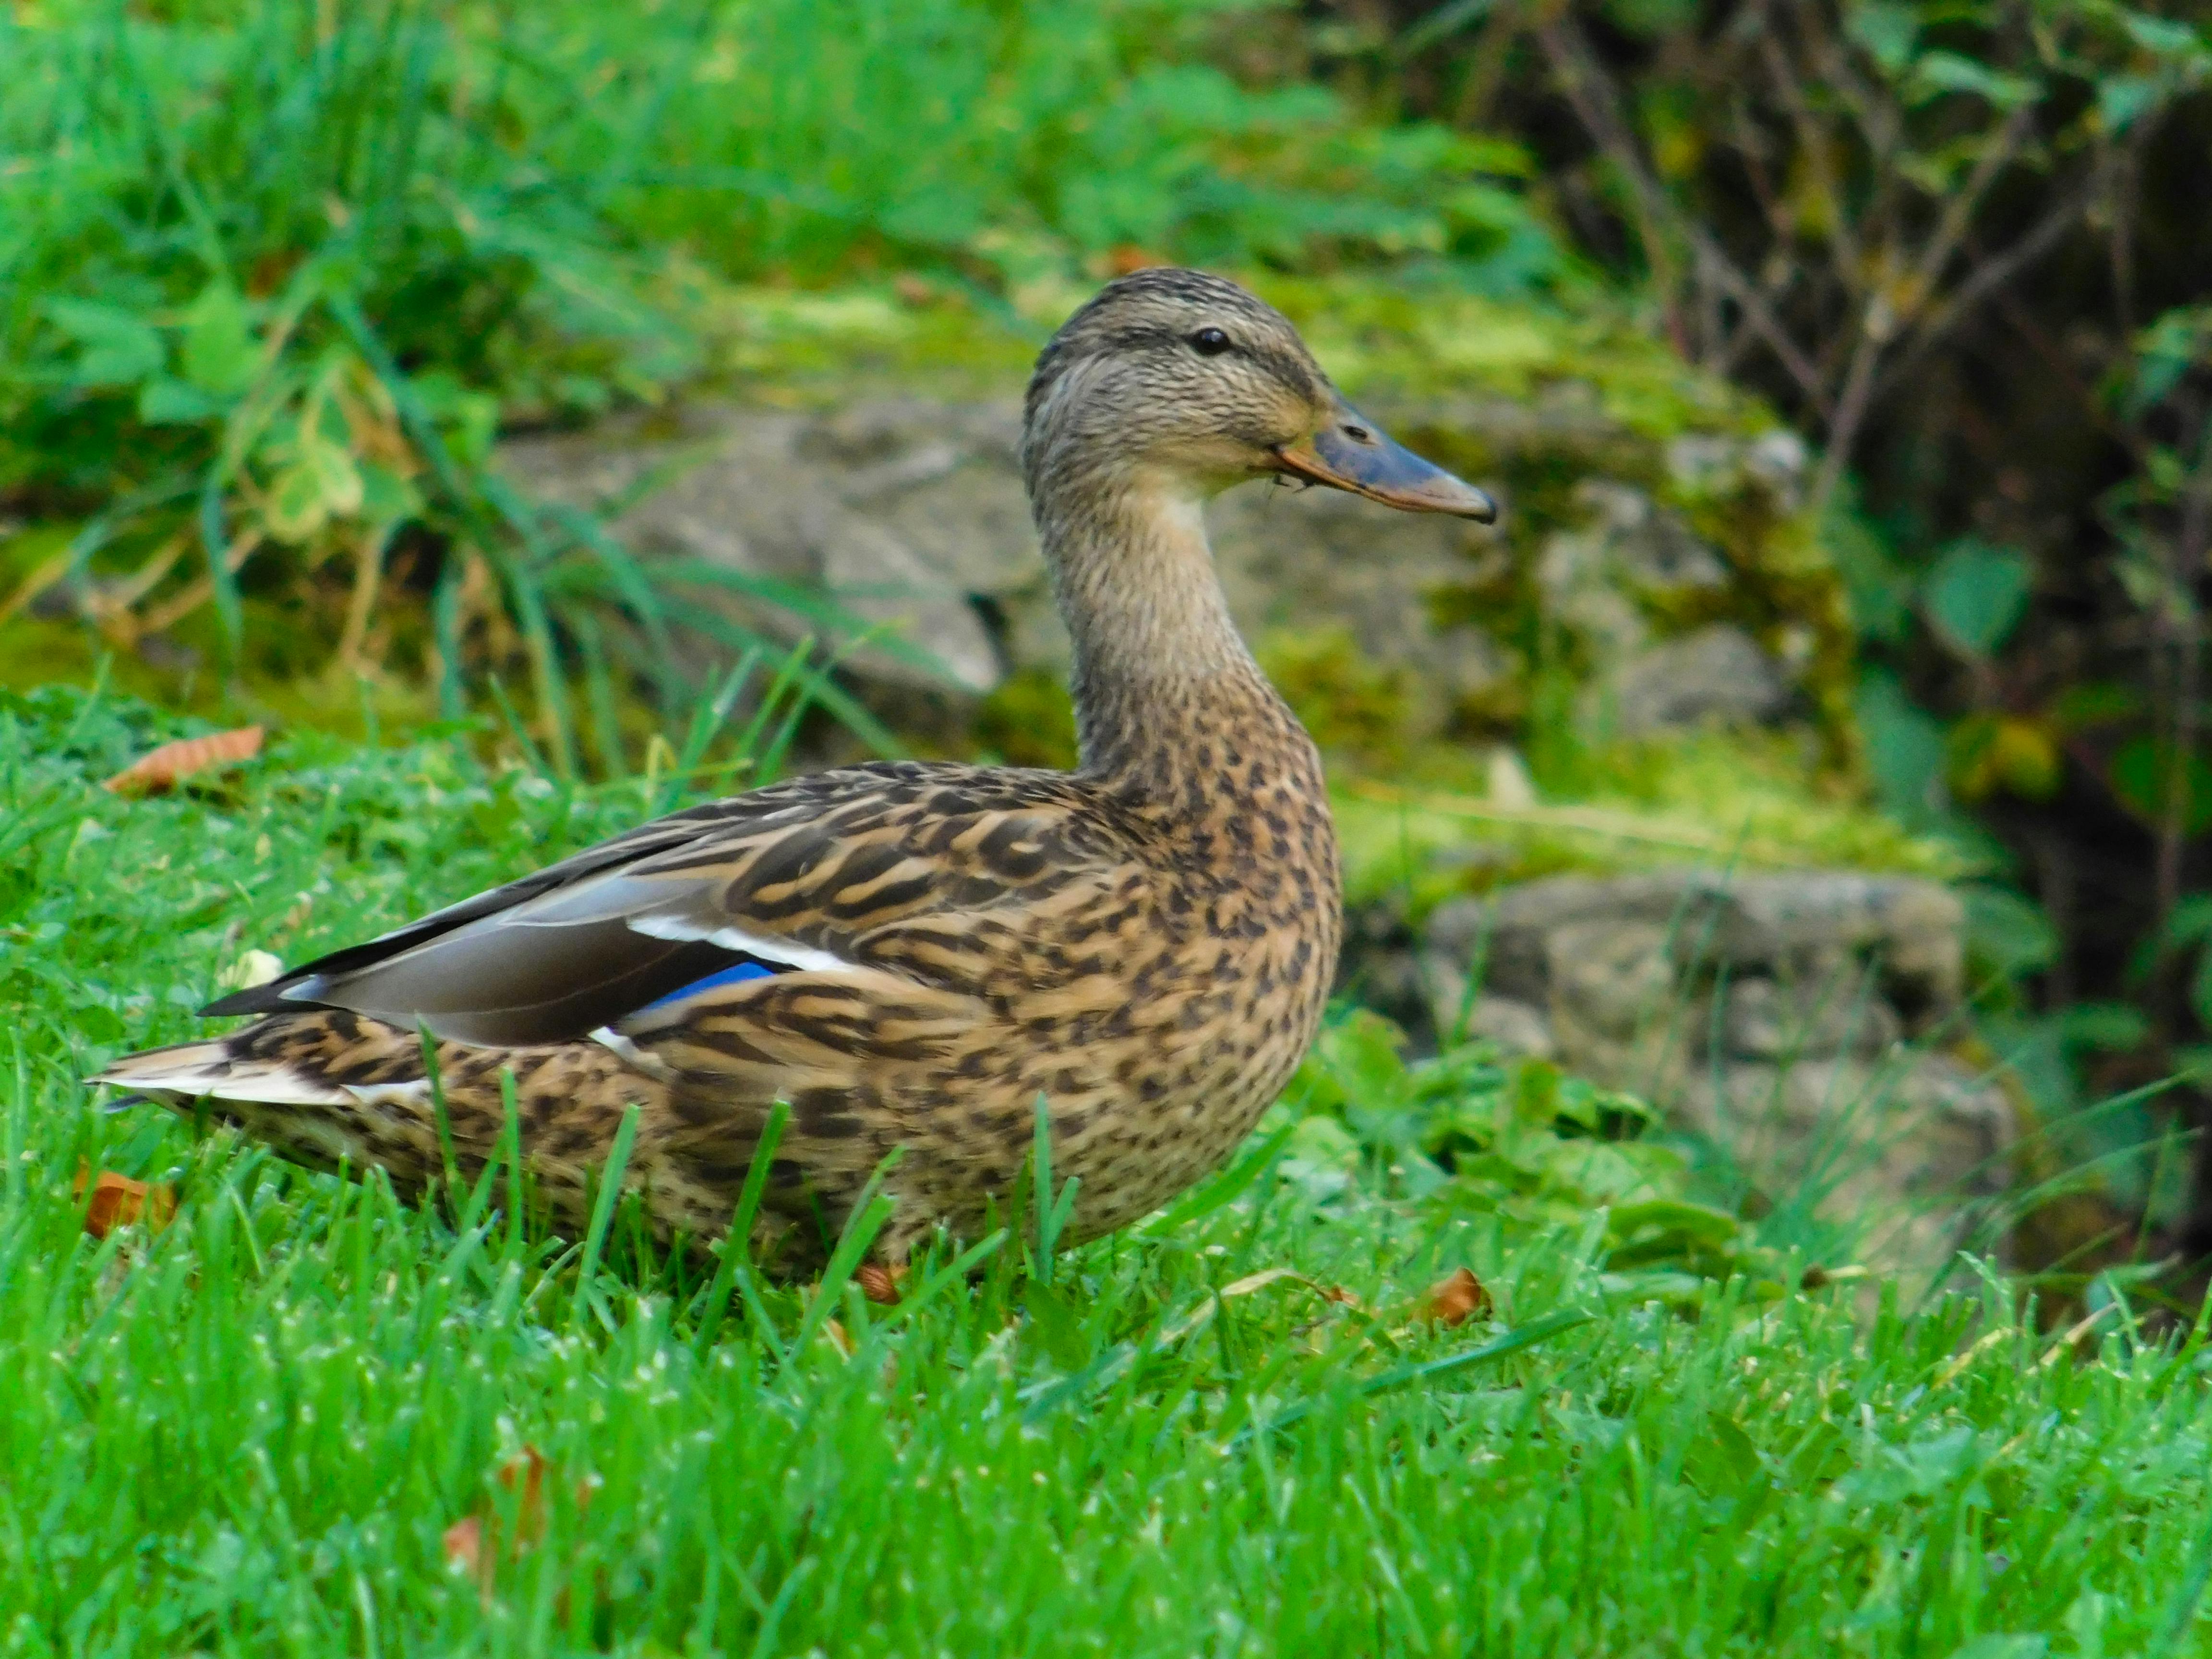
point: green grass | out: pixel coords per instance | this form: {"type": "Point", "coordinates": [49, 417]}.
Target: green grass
{"type": "Point", "coordinates": [249, 1432]}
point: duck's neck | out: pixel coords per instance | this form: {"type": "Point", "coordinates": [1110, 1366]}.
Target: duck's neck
{"type": "Point", "coordinates": [1161, 679]}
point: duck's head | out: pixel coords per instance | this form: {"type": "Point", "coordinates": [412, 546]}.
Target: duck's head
{"type": "Point", "coordinates": [1181, 383]}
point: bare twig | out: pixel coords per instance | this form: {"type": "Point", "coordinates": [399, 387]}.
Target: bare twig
{"type": "Point", "coordinates": [1597, 104]}
{"type": "Point", "coordinates": [1813, 143]}
{"type": "Point", "coordinates": [2184, 559]}
{"type": "Point", "coordinates": [1591, 93]}
{"type": "Point", "coordinates": [2001, 268]}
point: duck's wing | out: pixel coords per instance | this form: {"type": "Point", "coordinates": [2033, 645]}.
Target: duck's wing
{"type": "Point", "coordinates": [827, 874]}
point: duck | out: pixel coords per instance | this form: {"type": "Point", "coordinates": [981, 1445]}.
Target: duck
{"type": "Point", "coordinates": [909, 956]}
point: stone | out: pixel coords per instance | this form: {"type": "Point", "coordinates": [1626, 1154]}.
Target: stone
{"type": "Point", "coordinates": [1714, 674]}
{"type": "Point", "coordinates": [739, 492]}
{"type": "Point", "coordinates": [1907, 1153]}
{"type": "Point", "coordinates": [1514, 1027]}
{"type": "Point", "coordinates": [1765, 1018]}
{"type": "Point", "coordinates": [905, 515]}
{"type": "Point", "coordinates": [1912, 930]}
{"type": "Point", "coordinates": [1795, 1020]}
{"type": "Point", "coordinates": [1710, 464]}
{"type": "Point", "coordinates": [1603, 578]}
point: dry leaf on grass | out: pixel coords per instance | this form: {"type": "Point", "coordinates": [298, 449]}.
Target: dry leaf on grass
{"type": "Point", "coordinates": [118, 1201]}
{"type": "Point", "coordinates": [879, 1283]}
{"type": "Point", "coordinates": [149, 774]}
{"type": "Point", "coordinates": [1454, 1300]}
{"type": "Point", "coordinates": [1268, 1276]}
{"type": "Point", "coordinates": [1127, 258]}
{"type": "Point", "coordinates": [472, 1544]}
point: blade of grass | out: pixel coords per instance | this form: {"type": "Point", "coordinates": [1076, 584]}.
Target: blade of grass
{"type": "Point", "coordinates": [737, 1243]}
{"type": "Point", "coordinates": [603, 1211]}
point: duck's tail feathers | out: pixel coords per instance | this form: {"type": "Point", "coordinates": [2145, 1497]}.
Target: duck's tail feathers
{"type": "Point", "coordinates": [195, 1071]}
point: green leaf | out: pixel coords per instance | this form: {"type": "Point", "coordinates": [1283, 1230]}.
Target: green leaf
{"type": "Point", "coordinates": [1698, 1223]}
{"type": "Point", "coordinates": [1998, 1645]}
{"type": "Point", "coordinates": [336, 478]}
{"type": "Point", "coordinates": [2141, 777]}
{"type": "Point", "coordinates": [115, 347]}
{"type": "Point", "coordinates": [2093, 703]}
{"type": "Point", "coordinates": [1940, 72]}
{"type": "Point", "coordinates": [386, 497]}
{"type": "Point", "coordinates": [1907, 753]}
{"type": "Point", "coordinates": [219, 354]}
{"type": "Point", "coordinates": [2165, 38]}
{"type": "Point", "coordinates": [294, 510]}
{"type": "Point", "coordinates": [2112, 1028]}
{"type": "Point", "coordinates": [1975, 595]}
{"type": "Point", "coordinates": [2121, 99]}
{"type": "Point", "coordinates": [165, 402]}
{"type": "Point", "coordinates": [2190, 921]}
{"type": "Point", "coordinates": [2009, 933]}
{"type": "Point", "coordinates": [1723, 1462]}
{"type": "Point", "coordinates": [468, 421]}
{"type": "Point", "coordinates": [1884, 31]}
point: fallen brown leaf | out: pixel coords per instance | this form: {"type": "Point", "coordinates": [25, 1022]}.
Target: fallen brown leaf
{"type": "Point", "coordinates": [472, 1544]}
{"type": "Point", "coordinates": [879, 1283]}
{"type": "Point", "coordinates": [118, 1201]}
{"type": "Point", "coordinates": [1454, 1300]}
{"type": "Point", "coordinates": [1128, 260]}
{"type": "Point", "coordinates": [149, 774]}
{"type": "Point", "coordinates": [464, 1546]}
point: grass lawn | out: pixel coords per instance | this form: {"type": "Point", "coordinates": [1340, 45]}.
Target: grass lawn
{"type": "Point", "coordinates": [254, 1430]}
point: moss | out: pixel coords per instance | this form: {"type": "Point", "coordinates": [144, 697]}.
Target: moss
{"type": "Point", "coordinates": [1356, 708]}
{"type": "Point", "coordinates": [1740, 800]}
{"type": "Point", "coordinates": [797, 348]}
{"type": "Point", "coordinates": [1028, 720]}
{"type": "Point", "coordinates": [1382, 340]}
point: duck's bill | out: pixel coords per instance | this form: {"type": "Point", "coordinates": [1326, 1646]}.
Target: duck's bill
{"type": "Point", "coordinates": [1354, 453]}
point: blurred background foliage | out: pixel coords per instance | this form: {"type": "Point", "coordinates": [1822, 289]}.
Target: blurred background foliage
{"type": "Point", "coordinates": [275, 274]}
{"type": "Point", "coordinates": [1966, 245]}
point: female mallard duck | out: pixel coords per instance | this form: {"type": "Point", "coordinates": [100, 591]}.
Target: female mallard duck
{"type": "Point", "coordinates": [911, 954]}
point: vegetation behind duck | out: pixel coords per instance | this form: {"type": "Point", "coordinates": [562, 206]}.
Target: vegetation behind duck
{"type": "Point", "coordinates": [910, 954]}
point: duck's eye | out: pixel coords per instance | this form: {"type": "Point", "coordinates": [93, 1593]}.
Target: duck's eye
{"type": "Point", "coordinates": [1209, 342]}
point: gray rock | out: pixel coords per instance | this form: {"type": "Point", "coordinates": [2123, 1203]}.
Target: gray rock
{"type": "Point", "coordinates": [1765, 1018]}
{"type": "Point", "coordinates": [1514, 1027]}
{"type": "Point", "coordinates": [1602, 578]}
{"type": "Point", "coordinates": [907, 512]}
{"type": "Point", "coordinates": [1911, 931]}
{"type": "Point", "coordinates": [1713, 464]}
{"type": "Point", "coordinates": [1766, 1012]}
{"type": "Point", "coordinates": [910, 512]}
{"type": "Point", "coordinates": [1518, 1027]}
{"type": "Point", "coordinates": [736, 490]}
{"type": "Point", "coordinates": [1907, 1153]}
{"type": "Point", "coordinates": [1714, 674]}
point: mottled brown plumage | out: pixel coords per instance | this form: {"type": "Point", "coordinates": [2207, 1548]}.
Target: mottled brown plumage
{"type": "Point", "coordinates": [1144, 943]}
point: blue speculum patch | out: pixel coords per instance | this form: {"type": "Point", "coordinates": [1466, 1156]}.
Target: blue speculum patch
{"type": "Point", "coordinates": [730, 975]}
